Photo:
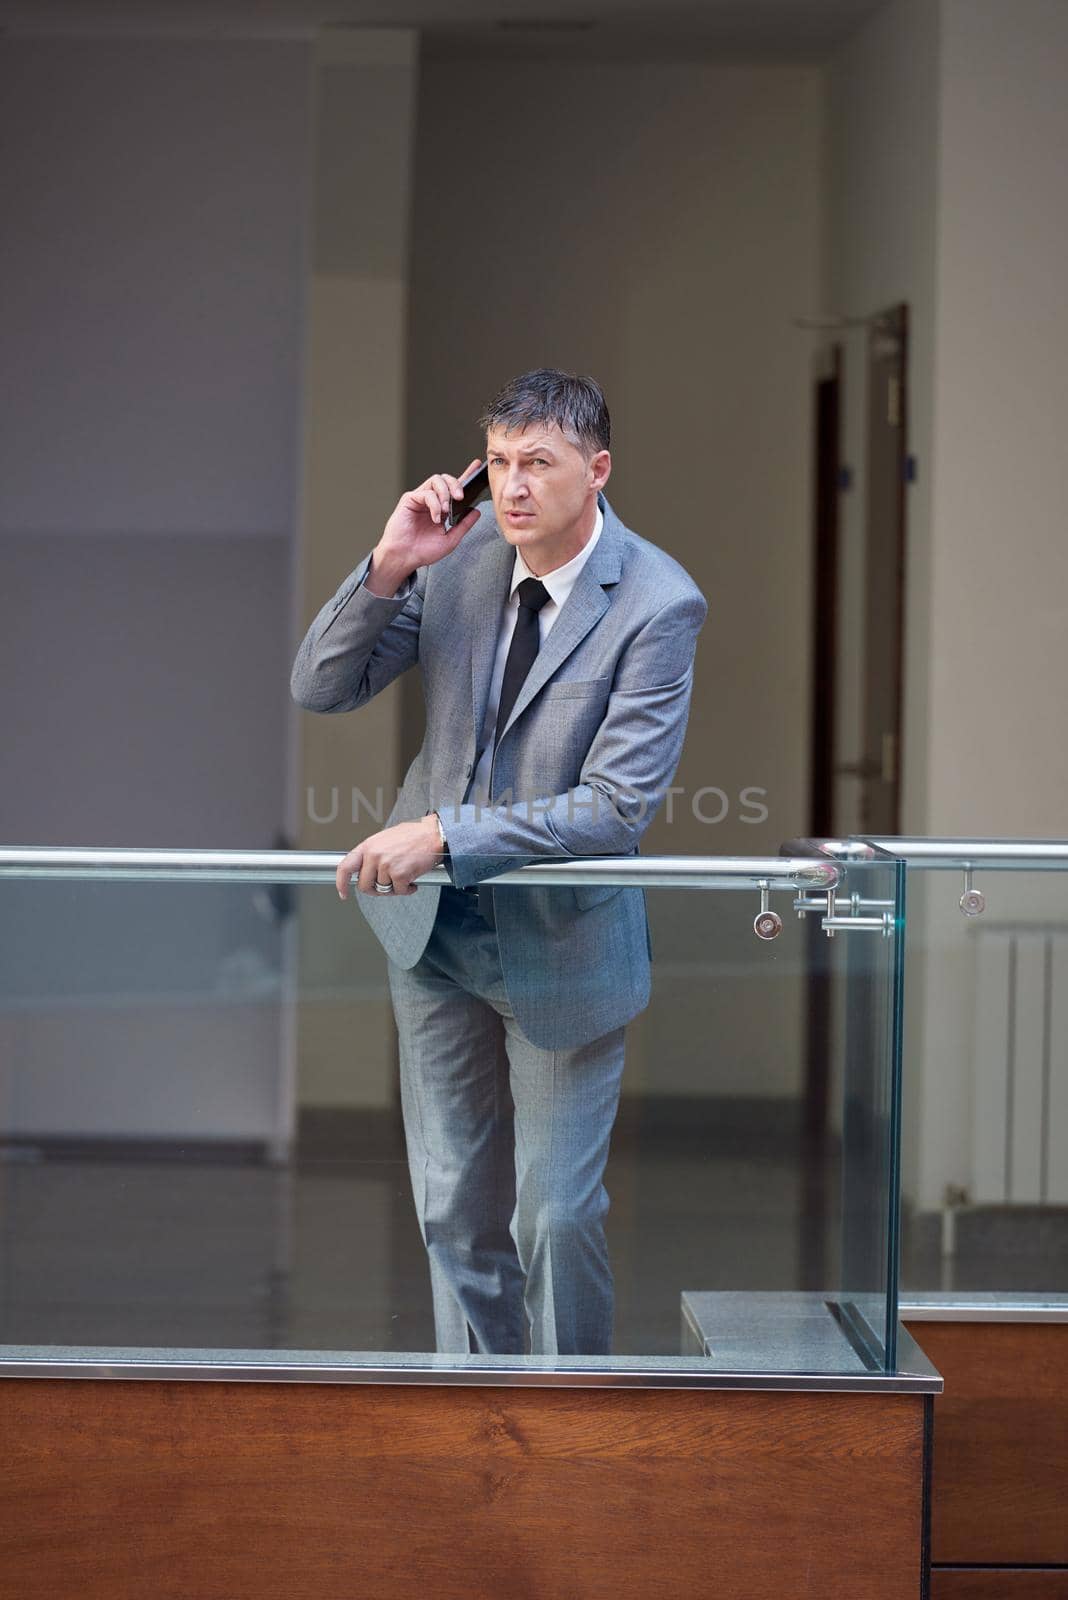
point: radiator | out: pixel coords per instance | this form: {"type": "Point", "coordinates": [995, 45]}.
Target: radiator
{"type": "Point", "coordinates": [1020, 1123]}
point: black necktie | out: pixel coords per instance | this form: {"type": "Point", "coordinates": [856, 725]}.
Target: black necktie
{"type": "Point", "coordinates": [521, 652]}
{"type": "Point", "coordinates": [524, 647]}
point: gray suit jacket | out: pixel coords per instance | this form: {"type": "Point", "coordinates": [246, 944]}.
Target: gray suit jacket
{"type": "Point", "coordinates": [589, 750]}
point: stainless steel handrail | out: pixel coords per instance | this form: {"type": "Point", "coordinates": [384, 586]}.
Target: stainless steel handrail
{"type": "Point", "coordinates": [950, 1305]}
{"type": "Point", "coordinates": [844, 850]}
{"type": "Point", "coordinates": [320, 866]}
{"type": "Point", "coordinates": [914, 1374]}
{"type": "Point", "coordinates": [960, 851]}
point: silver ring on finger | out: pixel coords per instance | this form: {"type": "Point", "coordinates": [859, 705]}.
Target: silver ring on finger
{"type": "Point", "coordinates": [384, 888]}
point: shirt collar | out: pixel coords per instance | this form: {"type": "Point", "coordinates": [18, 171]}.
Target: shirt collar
{"type": "Point", "coordinates": [561, 581]}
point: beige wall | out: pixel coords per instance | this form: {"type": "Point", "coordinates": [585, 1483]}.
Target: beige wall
{"type": "Point", "coordinates": [150, 280]}
{"type": "Point", "coordinates": [997, 756]}
{"type": "Point", "coordinates": [882, 130]}
{"type": "Point", "coordinates": [658, 226]}
{"type": "Point", "coordinates": [353, 473]}
{"type": "Point", "coordinates": [948, 142]}
{"type": "Point", "coordinates": [999, 640]}
{"type": "Point", "coordinates": [882, 220]}
{"type": "Point", "coordinates": [662, 231]}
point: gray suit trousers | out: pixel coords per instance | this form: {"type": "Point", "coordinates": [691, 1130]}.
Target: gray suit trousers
{"type": "Point", "coordinates": [507, 1144]}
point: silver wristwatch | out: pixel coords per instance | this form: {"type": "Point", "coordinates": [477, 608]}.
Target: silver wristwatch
{"type": "Point", "coordinates": [441, 833]}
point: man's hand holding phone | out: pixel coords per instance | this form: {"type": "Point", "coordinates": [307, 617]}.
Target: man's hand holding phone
{"type": "Point", "coordinates": [417, 533]}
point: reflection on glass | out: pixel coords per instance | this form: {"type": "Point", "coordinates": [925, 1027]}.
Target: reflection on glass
{"type": "Point", "coordinates": [871, 981]}
{"type": "Point", "coordinates": [205, 1143]}
{"type": "Point", "coordinates": [985, 1137]}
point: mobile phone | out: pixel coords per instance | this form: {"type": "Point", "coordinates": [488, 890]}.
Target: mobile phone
{"type": "Point", "coordinates": [474, 487]}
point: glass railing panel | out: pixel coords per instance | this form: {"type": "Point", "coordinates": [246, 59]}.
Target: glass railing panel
{"type": "Point", "coordinates": [205, 1154]}
{"type": "Point", "coordinates": [853, 1028]}
{"type": "Point", "coordinates": [985, 1134]}
{"type": "Point", "coordinates": [870, 987]}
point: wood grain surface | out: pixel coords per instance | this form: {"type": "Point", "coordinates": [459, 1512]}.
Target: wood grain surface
{"type": "Point", "coordinates": [999, 1583]}
{"type": "Point", "coordinates": [220, 1491]}
{"type": "Point", "coordinates": [1000, 1489]}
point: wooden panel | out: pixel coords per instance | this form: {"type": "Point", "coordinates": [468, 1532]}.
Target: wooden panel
{"type": "Point", "coordinates": [118, 1490]}
{"type": "Point", "coordinates": [998, 1583]}
{"type": "Point", "coordinates": [1000, 1487]}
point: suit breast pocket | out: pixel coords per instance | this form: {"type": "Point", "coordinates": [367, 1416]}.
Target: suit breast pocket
{"type": "Point", "coordinates": [576, 689]}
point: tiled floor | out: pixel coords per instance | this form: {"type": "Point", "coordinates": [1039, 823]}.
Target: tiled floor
{"type": "Point", "coordinates": [1015, 1250]}
{"type": "Point", "coordinates": [324, 1253]}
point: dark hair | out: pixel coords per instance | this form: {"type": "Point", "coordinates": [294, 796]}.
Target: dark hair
{"type": "Point", "coordinates": [576, 405]}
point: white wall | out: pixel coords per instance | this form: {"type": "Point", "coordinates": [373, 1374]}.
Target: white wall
{"type": "Point", "coordinates": [661, 231]}
{"type": "Point", "coordinates": [150, 304]}
{"type": "Point", "coordinates": [997, 757]}
{"type": "Point", "coordinates": [999, 639]}
{"type": "Point", "coordinates": [882, 221]}
{"type": "Point", "coordinates": [948, 143]}
{"type": "Point", "coordinates": [353, 475]}
{"type": "Point", "coordinates": [154, 195]}
{"type": "Point", "coordinates": [882, 132]}
{"type": "Point", "coordinates": [143, 690]}
{"type": "Point", "coordinates": [658, 226]}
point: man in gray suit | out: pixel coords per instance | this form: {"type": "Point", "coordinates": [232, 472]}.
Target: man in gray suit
{"type": "Point", "coordinates": [556, 653]}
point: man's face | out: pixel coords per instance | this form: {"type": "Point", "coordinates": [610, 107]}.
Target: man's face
{"type": "Point", "coordinates": [542, 487]}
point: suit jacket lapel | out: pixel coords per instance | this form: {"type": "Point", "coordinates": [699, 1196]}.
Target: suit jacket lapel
{"type": "Point", "coordinates": [495, 576]}
{"type": "Point", "coordinates": [583, 608]}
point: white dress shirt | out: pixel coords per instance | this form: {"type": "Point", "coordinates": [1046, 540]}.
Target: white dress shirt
{"type": "Point", "coordinates": [559, 584]}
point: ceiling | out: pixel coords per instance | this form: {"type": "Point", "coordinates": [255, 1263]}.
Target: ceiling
{"type": "Point", "coordinates": [772, 30]}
